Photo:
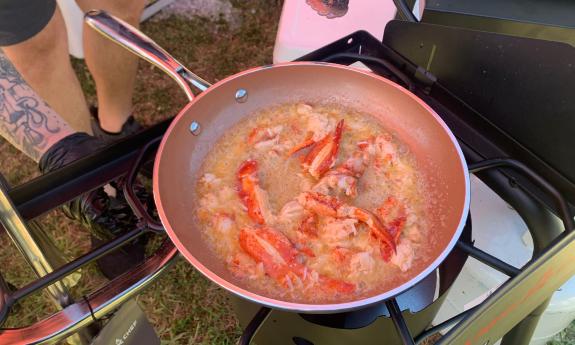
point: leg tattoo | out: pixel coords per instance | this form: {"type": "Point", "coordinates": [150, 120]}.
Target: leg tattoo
{"type": "Point", "coordinates": [26, 121]}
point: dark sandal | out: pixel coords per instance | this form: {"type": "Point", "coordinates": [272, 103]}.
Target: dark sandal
{"type": "Point", "coordinates": [130, 127]}
{"type": "Point", "coordinates": [106, 216]}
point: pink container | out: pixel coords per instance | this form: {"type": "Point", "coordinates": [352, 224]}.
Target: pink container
{"type": "Point", "coordinates": [302, 29]}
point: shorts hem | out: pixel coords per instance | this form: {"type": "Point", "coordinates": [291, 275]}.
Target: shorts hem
{"type": "Point", "coordinates": [31, 30]}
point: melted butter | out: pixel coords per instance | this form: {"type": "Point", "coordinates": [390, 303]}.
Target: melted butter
{"type": "Point", "coordinates": [282, 177]}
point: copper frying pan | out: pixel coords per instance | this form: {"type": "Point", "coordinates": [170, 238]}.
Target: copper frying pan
{"type": "Point", "coordinates": [203, 120]}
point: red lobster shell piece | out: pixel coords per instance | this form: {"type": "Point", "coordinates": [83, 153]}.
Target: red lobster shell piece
{"type": "Point", "coordinates": [278, 256]}
{"type": "Point", "coordinates": [253, 197]}
{"type": "Point", "coordinates": [323, 153]}
{"type": "Point", "coordinates": [332, 207]}
{"type": "Point", "coordinates": [393, 215]}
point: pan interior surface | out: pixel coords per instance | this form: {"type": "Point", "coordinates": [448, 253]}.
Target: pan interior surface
{"type": "Point", "coordinates": [217, 110]}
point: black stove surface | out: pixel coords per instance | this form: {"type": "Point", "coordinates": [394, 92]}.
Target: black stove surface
{"type": "Point", "coordinates": [517, 91]}
{"type": "Point", "coordinates": [549, 20]}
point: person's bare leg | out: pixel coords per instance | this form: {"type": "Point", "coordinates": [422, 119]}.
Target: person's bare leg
{"type": "Point", "coordinates": [113, 68]}
{"type": "Point", "coordinates": [44, 63]}
{"type": "Point", "coordinates": [26, 121]}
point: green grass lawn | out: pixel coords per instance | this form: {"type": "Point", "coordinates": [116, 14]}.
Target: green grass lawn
{"type": "Point", "coordinates": [183, 306]}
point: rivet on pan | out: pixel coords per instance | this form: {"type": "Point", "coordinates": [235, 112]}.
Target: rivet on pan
{"type": "Point", "coordinates": [241, 95]}
{"type": "Point", "coordinates": [195, 128]}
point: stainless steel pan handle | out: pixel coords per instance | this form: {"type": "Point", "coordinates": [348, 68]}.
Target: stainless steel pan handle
{"type": "Point", "coordinates": [135, 41]}
{"type": "Point", "coordinates": [96, 305]}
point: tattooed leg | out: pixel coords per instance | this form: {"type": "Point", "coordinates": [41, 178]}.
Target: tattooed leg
{"type": "Point", "coordinates": [26, 121]}
{"type": "Point", "coordinates": [44, 63]}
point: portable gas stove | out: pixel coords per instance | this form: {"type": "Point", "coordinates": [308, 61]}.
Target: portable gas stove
{"type": "Point", "coordinates": [507, 144]}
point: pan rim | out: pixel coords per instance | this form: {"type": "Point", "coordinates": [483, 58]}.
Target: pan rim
{"type": "Point", "coordinates": [306, 307]}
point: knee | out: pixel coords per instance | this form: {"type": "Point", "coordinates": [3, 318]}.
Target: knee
{"type": "Point", "coordinates": [129, 10]}
{"type": "Point", "coordinates": [40, 50]}
{"type": "Point", "coordinates": [51, 45]}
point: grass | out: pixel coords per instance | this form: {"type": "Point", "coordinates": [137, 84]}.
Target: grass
{"type": "Point", "coordinates": [184, 307]}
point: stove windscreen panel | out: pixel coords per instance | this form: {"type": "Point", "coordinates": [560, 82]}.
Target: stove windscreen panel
{"type": "Point", "coordinates": [550, 19]}
{"type": "Point", "coordinates": [522, 88]}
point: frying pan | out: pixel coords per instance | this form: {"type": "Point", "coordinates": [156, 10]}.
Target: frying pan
{"type": "Point", "coordinates": [200, 124]}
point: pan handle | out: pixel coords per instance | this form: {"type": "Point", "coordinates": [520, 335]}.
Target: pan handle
{"type": "Point", "coordinates": [135, 41]}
